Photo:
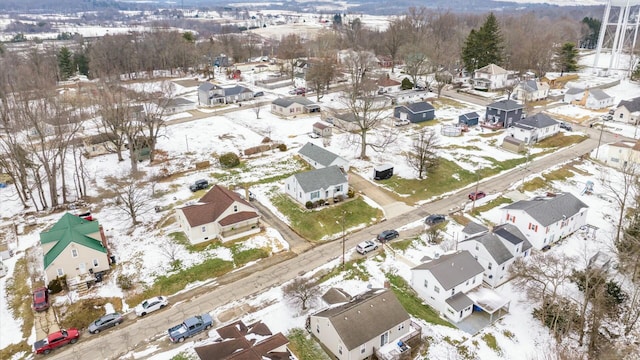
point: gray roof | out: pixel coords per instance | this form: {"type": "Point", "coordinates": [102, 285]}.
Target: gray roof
{"type": "Point", "coordinates": [574, 91]}
{"type": "Point", "coordinates": [453, 269]}
{"type": "Point", "coordinates": [494, 247]}
{"type": "Point", "coordinates": [366, 317]}
{"type": "Point", "coordinates": [206, 86]}
{"type": "Point", "coordinates": [320, 178]}
{"type": "Point", "coordinates": [459, 301]}
{"type": "Point", "coordinates": [286, 102]}
{"type": "Point", "coordinates": [549, 210]}
{"type": "Point", "coordinates": [506, 105]}
{"type": "Point", "coordinates": [471, 115]}
{"type": "Point", "coordinates": [473, 228]}
{"type": "Point", "coordinates": [418, 107]}
{"type": "Point", "coordinates": [235, 90]}
{"type": "Point", "coordinates": [632, 105]}
{"type": "Point", "coordinates": [318, 154]}
{"type": "Point", "coordinates": [179, 101]}
{"type": "Point", "coordinates": [348, 117]}
{"type": "Point", "coordinates": [538, 120]}
{"type": "Point", "coordinates": [336, 296]}
{"type": "Point", "coordinates": [529, 85]}
{"type": "Point", "coordinates": [512, 234]}
{"type": "Point", "coordinates": [599, 94]}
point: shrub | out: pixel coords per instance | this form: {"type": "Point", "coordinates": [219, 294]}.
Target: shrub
{"type": "Point", "coordinates": [56, 285]}
{"type": "Point", "coordinates": [406, 84]}
{"type": "Point", "coordinates": [229, 160]}
{"type": "Point", "coordinates": [125, 282]}
{"type": "Point", "coordinates": [282, 147]}
{"type": "Point", "coordinates": [339, 198]}
{"type": "Point", "coordinates": [318, 203]}
{"type": "Point", "coordinates": [308, 205]}
{"type": "Point", "coordinates": [266, 140]}
{"type": "Point", "coordinates": [351, 193]}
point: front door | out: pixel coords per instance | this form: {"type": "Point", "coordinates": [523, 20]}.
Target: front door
{"type": "Point", "coordinates": [82, 268]}
{"type": "Point", "coordinates": [384, 339]}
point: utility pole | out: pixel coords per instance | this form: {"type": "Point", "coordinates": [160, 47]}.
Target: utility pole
{"type": "Point", "coordinates": [599, 139]}
{"type": "Point", "coordinates": [475, 193]}
{"type": "Point", "coordinates": [344, 235]}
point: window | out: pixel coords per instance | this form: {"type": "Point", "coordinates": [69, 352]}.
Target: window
{"type": "Point", "coordinates": [340, 349]}
{"type": "Point", "coordinates": [436, 289]}
{"type": "Point", "coordinates": [453, 291]}
{"type": "Point", "coordinates": [95, 262]}
{"type": "Point", "coordinates": [490, 266]}
{"type": "Point", "coordinates": [204, 229]}
{"type": "Point", "coordinates": [338, 188]}
{"type": "Point", "coordinates": [467, 282]}
{"type": "Point", "coordinates": [517, 249]}
{"type": "Point", "coordinates": [474, 280]}
{"type": "Point", "coordinates": [235, 208]}
{"type": "Point", "coordinates": [315, 195]}
{"type": "Point", "coordinates": [318, 328]}
{"type": "Point", "coordinates": [426, 284]}
{"type": "Point", "coordinates": [503, 267]}
{"type": "Point", "coordinates": [384, 338]}
{"type": "Point", "coordinates": [363, 348]}
{"type": "Point", "coordinates": [60, 272]}
{"type": "Point", "coordinates": [477, 246]}
{"type": "Point", "coordinates": [74, 252]}
{"type": "Point", "coordinates": [401, 326]}
{"type": "Point", "coordinates": [288, 187]}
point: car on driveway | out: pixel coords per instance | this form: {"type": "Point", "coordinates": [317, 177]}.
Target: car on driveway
{"type": "Point", "coordinates": [56, 340]}
{"type": "Point", "coordinates": [105, 322]}
{"type": "Point", "coordinates": [387, 235]}
{"type": "Point", "coordinates": [566, 126]}
{"type": "Point", "coordinates": [366, 246]}
{"type": "Point", "coordinates": [151, 305]}
{"type": "Point", "coordinates": [477, 195]}
{"type": "Point", "coordinates": [41, 299]}
{"type": "Point", "coordinates": [199, 185]}
{"type": "Point", "coordinates": [434, 219]}
{"type": "Point", "coordinates": [401, 122]}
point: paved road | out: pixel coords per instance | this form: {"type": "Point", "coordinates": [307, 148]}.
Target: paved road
{"type": "Point", "coordinates": [390, 206]}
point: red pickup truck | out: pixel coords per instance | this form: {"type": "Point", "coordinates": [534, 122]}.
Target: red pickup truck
{"type": "Point", "coordinates": [56, 340]}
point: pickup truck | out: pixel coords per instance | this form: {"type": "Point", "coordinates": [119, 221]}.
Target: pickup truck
{"type": "Point", "coordinates": [190, 327]}
{"type": "Point", "coordinates": [56, 340]}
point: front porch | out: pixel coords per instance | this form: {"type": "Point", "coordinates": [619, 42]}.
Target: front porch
{"type": "Point", "coordinates": [238, 231]}
{"type": "Point", "coordinates": [401, 349]}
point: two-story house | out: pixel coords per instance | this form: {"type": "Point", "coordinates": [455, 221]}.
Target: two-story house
{"type": "Point", "coordinates": [443, 282]}
{"type": "Point", "coordinates": [490, 77]}
{"type": "Point", "coordinates": [546, 219]}
{"type": "Point", "coordinates": [211, 94]}
{"type": "Point", "coordinates": [503, 113]}
{"type": "Point", "coordinates": [415, 112]}
{"type": "Point", "coordinates": [628, 111]}
{"type": "Point", "coordinates": [534, 128]}
{"type": "Point", "coordinates": [496, 250]}
{"type": "Point", "coordinates": [531, 90]}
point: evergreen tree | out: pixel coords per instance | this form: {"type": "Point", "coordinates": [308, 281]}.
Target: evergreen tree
{"type": "Point", "coordinates": [81, 63]}
{"type": "Point", "coordinates": [65, 63]}
{"type": "Point", "coordinates": [590, 39]}
{"type": "Point", "coordinates": [485, 46]}
{"type": "Point", "coordinates": [567, 58]}
{"type": "Point", "coordinates": [635, 75]}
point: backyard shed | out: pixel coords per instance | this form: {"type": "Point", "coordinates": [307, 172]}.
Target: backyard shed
{"type": "Point", "coordinates": [382, 172]}
{"type": "Point", "coordinates": [469, 119]}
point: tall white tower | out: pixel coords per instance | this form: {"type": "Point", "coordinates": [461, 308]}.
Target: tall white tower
{"type": "Point", "coordinates": [618, 33]}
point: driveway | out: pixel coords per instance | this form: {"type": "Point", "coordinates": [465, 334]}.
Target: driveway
{"type": "Point", "coordinates": [390, 206]}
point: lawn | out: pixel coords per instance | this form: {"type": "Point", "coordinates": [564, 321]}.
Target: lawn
{"type": "Point", "coordinates": [304, 347]}
{"type": "Point", "coordinates": [559, 140]}
{"type": "Point", "coordinates": [490, 205]}
{"type": "Point", "coordinates": [326, 222]}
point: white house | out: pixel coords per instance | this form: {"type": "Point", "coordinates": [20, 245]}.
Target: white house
{"type": "Point", "coordinates": [546, 219]}
{"type": "Point", "coordinates": [315, 185]}
{"type": "Point", "coordinates": [490, 77]}
{"type": "Point", "coordinates": [620, 154]}
{"type": "Point", "coordinates": [221, 214]}
{"type": "Point", "coordinates": [443, 282]}
{"type": "Point", "coordinates": [534, 128]}
{"type": "Point", "coordinates": [388, 85]}
{"type": "Point", "coordinates": [212, 94]}
{"type": "Point", "coordinates": [355, 330]}
{"type": "Point", "coordinates": [597, 99]}
{"type": "Point", "coordinates": [531, 90]}
{"type": "Point", "coordinates": [628, 111]}
{"type": "Point", "coordinates": [319, 157]}
{"type": "Point", "coordinates": [295, 105]}
{"type": "Point", "coordinates": [496, 250]}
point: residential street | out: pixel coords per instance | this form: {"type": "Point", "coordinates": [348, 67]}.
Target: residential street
{"type": "Point", "coordinates": [133, 334]}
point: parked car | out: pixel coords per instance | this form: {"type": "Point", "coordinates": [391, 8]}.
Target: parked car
{"type": "Point", "coordinates": [401, 122]}
{"type": "Point", "coordinates": [313, 135]}
{"type": "Point", "coordinates": [477, 195]}
{"type": "Point", "coordinates": [366, 246]}
{"type": "Point", "coordinates": [434, 219]}
{"type": "Point", "coordinates": [199, 185]}
{"type": "Point", "coordinates": [151, 305]}
{"type": "Point", "coordinates": [41, 299]}
{"type": "Point", "coordinates": [190, 327]}
{"type": "Point", "coordinates": [56, 340]}
{"type": "Point", "coordinates": [546, 248]}
{"type": "Point", "coordinates": [564, 125]}
{"type": "Point", "coordinates": [387, 235]}
{"type": "Point", "coordinates": [258, 93]}
{"type": "Point", "coordinates": [105, 322]}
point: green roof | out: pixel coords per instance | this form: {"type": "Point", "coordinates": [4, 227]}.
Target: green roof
{"type": "Point", "coordinates": [68, 229]}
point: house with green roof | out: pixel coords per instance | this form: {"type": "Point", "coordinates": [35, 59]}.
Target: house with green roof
{"type": "Point", "coordinates": [74, 247]}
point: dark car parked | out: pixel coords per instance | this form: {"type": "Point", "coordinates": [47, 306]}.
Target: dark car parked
{"type": "Point", "coordinates": [387, 235]}
{"type": "Point", "coordinates": [477, 195]}
{"type": "Point", "coordinates": [564, 125]}
{"type": "Point", "coordinates": [105, 322]}
{"type": "Point", "coordinates": [41, 299]}
{"type": "Point", "coordinates": [434, 219]}
{"type": "Point", "coordinates": [199, 185]}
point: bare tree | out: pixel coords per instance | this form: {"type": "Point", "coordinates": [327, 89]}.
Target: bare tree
{"type": "Point", "coordinates": [171, 250]}
{"type": "Point", "coordinates": [393, 39]}
{"type": "Point", "coordinates": [321, 74]}
{"type": "Point", "coordinates": [434, 235]}
{"type": "Point", "coordinates": [440, 80]}
{"type": "Point", "coordinates": [301, 291]}
{"type": "Point", "coordinates": [422, 154]}
{"type": "Point", "coordinates": [416, 62]}
{"type": "Point", "coordinates": [622, 186]}
{"type": "Point", "coordinates": [256, 110]}
{"type": "Point", "coordinates": [130, 197]}
{"type": "Point", "coordinates": [155, 105]}
{"type": "Point", "coordinates": [289, 50]}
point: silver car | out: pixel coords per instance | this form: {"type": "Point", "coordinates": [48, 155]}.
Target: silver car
{"type": "Point", "coordinates": [105, 322]}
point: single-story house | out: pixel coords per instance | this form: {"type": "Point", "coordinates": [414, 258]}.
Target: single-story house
{"type": "Point", "coordinates": [374, 101]}
{"type": "Point", "coordinates": [388, 85]}
{"type": "Point", "coordinates": [212, 94]}
{"type": "Point", "coordinates": [295, 105]}
{"type": "Point", "coordinates": [443, 282]}
{"type": "Point", "coordinates": [179, 105]}
{"type": "Point", "coordinates": [490, 77]}
{"type": "Point", "coordinates": [469, 119]}
{"type": "Point", "coordinates": [347, 121]}
{"type": "Point", "coordinates": [628, 111]}
{"type": "Point", "coordinates": [531, 90]}
{"type": "Point", "coordinates": [407, 96]}
{"type": "Point", "coordinates": [74, 247]}
{"type": "Point", "coordinates": [319, 157]}
{"type": "Point", "coordinates": [496, 250]}
{"type": "Point", "coordinates": [322, 129]}
{"type": "Point", "coordinates": [589, 98]}
{"type": "Point", "coordinates": [415, 112]}
{"type": "Point", "coordinates": [573, 94]}
{"type": "Point", "coordinates": [237, 341]}
{"type": "Point", "coordinates": [546, 219]}
{"type": "Point", "coordinates": [221, 214]}
{"type": "Point", "coordinates": [99, 144]}
{"type": "Point", "coordinates": [315, 185]}
{"type": "Point", "coordinates": [503, 113]}
{"type": "Point", "coordinates": [534, 128]}
{"type": "Point", "coordinates": [368, 323]}
{"type": "Point", "coordinates": [620, 154]}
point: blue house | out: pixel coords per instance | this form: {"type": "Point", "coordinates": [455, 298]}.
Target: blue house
{"type": "Point", "coordinates": [415, 112]}
{"type": "Point", "coordinates": [469, 119]}
{"type": "Point", "coordinates": [503, 113]}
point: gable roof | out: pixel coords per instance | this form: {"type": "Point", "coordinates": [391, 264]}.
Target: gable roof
{"type": "Point", "coordinates": [70, 229]}
{"type": "Point", "coordinates": [288, 101]}
{"type": "Point", "coordinates": [574, 91]}
{"type": "Point", "coordinates": [206, 86]}
{"type": "Point", "coordinates": [320, 178]}
{"type": "Point", "coordinates": [418, 107]}
{"type": "Point", "coordinates": [365, 317]}
{"type": "Point", "coordinates": [452, 269]}
{"type": "Point", "coordinates": [384, 82]}
{"type": "Point", "coordinates": [529, 85]}
{"type": "Point", "coordinates": [632, 105]}
{"type": "Point", "coordinates": [538, 121]}
{"type": "Point", "coordinates": [598, 94]}
{"type": "Point", "coordinates": [512, 234]}
{"type": "Point", "coordinates": [492, 69]}
{"type": "Point", "coordinates": [494, 247]}
{"type": "Point", "coordinates": [549, 210]}
{"type": "Point", "coordinates": [471, 115]}
{"type": "Point", "coordinates": [213, 204]}
{"type": "Point", "coordinates": [318, 154]}
{"type": "Point", "coordinates": [474, 228]}
{"type": "Point", "coordinates": [336, 296]}
{"type": "Point", "coordinates": [506, 105]}
{"type": "Point", "coordinates": [235, 90]}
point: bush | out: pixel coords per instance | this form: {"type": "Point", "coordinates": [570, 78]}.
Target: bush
{"type": "Point", "coordinates": [319, 203]}
{"type": "Point", "coordinates": [266, 140]}
{"type": "Point", "coordinates": [58, 284]}
{"type": "Point", "coordinates": [125, 282]}
{"type": "Point", "coordinates": [282, 147]}
{"type": "Point", "coordinates": [351, 193]}
{"type": "Point", "coordinates": [229, 160]}
{"type": "Point", "coordinates": [406, 84]}
{"type": "Point", "coordinates": [308, 205]}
